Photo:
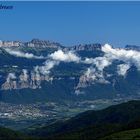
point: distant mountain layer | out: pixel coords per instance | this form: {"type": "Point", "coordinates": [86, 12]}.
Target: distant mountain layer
{"type": "Point", "coordinates": [41, 70]}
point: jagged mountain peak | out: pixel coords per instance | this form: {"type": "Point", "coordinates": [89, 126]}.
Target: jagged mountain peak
{"type": "Point", "coordinates": [93, 46]}
{"type": "Point", "coordinates": [132, 47]}
{"type": "Point", "coordinates": [47, 43]}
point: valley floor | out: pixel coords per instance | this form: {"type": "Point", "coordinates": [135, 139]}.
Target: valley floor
{"type": "Point", "coordinates": [19, 116]}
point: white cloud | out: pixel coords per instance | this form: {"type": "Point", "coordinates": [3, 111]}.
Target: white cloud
{"type": "Point", "coordinates": [127, 56]}
{"type": "Point", "coordinates": [45, 69]}
{"type": "Point", "coordinates": [122, 69]}
{"type": "Point", "coordinates": [88, 60]}
{"type": "Point", "coordinates": [95, 72]}
{"type": "Point", "coordinates": [54, 59]}
{"type": "Point", "coordinates": [64, 56]}
{"type": "Point", "coordinates": [22, 54]}
{"type": "Point", "coordinates": [101, 63]}
{"type": "Point", "coordinates": [110, 54]}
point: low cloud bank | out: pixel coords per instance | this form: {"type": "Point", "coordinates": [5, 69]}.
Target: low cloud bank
{"type": "Point", "coordinates": [95, 72]}
{"type": "Point", "coordinates": [46, 68]}
{"type": "Point", "coordinates": [22, 54]}
{"type": "Point", "coordinates": [55, 58]}
{"type": "Point", "coordinates": [127, 56]}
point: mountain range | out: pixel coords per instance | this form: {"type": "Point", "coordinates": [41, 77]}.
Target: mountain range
{"type": "Point", "coordinates": [43, 70]}
{"type": "Point", "coordinates": [53, 91]}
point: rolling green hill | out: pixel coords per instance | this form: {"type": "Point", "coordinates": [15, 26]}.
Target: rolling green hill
{"type": "Point", "coordinates": [115, 122]}
{"type": "Point", "coordinates": [94, 124]}
{"type": "Point", "coordinates": [7, 134]}
{"type": "Point", "coordinates": [124, 135]}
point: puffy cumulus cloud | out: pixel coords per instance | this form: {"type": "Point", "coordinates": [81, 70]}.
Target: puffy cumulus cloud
{"type": "Point", "coordinates": [45, 69]}
{"type": "Point", "coordinates": [88, 60]}
{"type": "Point", "coordinates": [110, 54]}
{"type": "Point", "coordinates": [22, 54]}
{"type": "Point", "coordinates": [95, 72]}
{"type": "Point", "coordinates": [54, 59]}
{"type": "Point", "coordinates": [99, 62]}
{"type": "Point", "coordinates": [127, 56]}
{"type": "Point", "coordinates": [122, 69]}
{"type": "Point", "coordinates": [64, 56]}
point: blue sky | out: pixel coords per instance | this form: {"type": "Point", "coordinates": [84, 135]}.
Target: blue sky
{"type": "Point", "coordinates": [70, 23]}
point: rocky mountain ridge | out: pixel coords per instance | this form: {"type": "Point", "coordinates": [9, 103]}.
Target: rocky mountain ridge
{"type": "Point", "coordinates": [32, 43]}
{"type": "Point", "coordinates": [52, 44]}
{"type": "Point", "coordinates": [37, 43]}
{"type": "Point", "coordinates": [90, 71]}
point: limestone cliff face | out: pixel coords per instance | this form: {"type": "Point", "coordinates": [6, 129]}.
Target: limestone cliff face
{"type": "Point", "coordinates": [9, 85]}
{"type": "Point", "coordinates": [84, 81]}
{"type": "Point", "coordinates": [24, 80]}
